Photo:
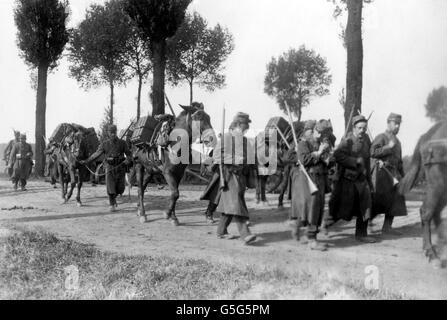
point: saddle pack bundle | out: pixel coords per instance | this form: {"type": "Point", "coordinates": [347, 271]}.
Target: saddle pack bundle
{"type": "Point", "coordinates": [434, 152]}
{"type": "Point", "coordinates": [143, 131]}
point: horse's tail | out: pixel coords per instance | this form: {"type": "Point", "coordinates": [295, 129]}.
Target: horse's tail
{"type": "Point", "coordinates": [408, 182]}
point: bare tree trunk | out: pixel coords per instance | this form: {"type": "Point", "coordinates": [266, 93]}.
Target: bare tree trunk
{"type": "Point", "coordinates": [158, 87]}
{"type": "Point", "coordinates": [140, 85]}
{"type": "Point", "coordinates": [41, 106]}
{"type": "Point", "coordinates": [112, 93]}
{"type": "Point", "coordinates": [354, 46]}
{"type": "Point", "coordinates": [190, 92]}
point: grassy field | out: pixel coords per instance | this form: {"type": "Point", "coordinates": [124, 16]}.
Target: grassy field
{"type": "Point", "coordinates": [33, 265]}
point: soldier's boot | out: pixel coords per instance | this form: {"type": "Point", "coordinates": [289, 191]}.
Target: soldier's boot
{"type": "Point", "coordinates": [249, 239]}
{"type": "Point", "coordinates": [316, 245]}
{"type": "Point", "coordinates": [387, 228]}
{"type": "Point", "coordinates": [209, 213]}
{"type": "Point", "coordinates": [15, 185]}
{"type": "Point", "coordinates": [112, 207]}
{"type": "Point", "coordinates": [22, 185]}
{"type": "Point", "coordinates": [295, 229]}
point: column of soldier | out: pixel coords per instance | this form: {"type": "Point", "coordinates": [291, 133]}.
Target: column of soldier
{"type": "Point", "coordinates": [360, 191]}
{"type": "Point", "coordinates": [365, 184]}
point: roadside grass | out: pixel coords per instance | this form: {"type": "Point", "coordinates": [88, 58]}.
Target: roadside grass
{"type": "Point", "coordinates": [33, 265]}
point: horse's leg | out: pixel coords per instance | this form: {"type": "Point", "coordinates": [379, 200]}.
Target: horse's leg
{"type": "Point", "coordinates": [72, 184]}
{"type": "Point", "coordinates": [62, 182]}
{"type": "Point", "coordinates": [140, 178]}
{"type": "Point", "coordinates": [283, 187]}
{"type": "Point", "coordinates": [173, 186]}
{"type": "Point", "coordinates": [129, 185]}
{"type": "Point", "coordinates": [79, 185]}
{"type": "Point", "coordinates": [428, 211]}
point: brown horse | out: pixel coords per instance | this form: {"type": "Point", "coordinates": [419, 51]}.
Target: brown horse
{"type": "Point", "coordinates": [430, 154]}
{"type": "Point", "coordinates": [147, 160]}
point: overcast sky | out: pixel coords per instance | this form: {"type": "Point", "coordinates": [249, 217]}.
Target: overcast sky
{"type": "Point", "coordinates": [405, 58]}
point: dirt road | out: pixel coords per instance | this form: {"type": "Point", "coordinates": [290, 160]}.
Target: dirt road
{"type": "Point", "coordinates": [399, 261]}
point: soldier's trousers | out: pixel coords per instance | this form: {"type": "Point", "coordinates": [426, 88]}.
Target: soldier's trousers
{"type": "Point", "coordinates": [241, 223]}
{"type": "Point", "coordinates": [116, 184]}
{"type": "Point", "coordinates": [15, 181]}
{"type": "Point", "coordinates": [260, 188]}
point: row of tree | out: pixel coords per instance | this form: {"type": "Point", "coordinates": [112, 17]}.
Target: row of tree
{"type": "Point", "coordinates": [118, 41]}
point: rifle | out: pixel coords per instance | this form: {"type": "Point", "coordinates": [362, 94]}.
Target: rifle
{"type": "Point", "coordinates": [283, 137]}
{"type": "Point", "coordinates": [349, 122]}
{"type": "Point", "coordinates": [312, 187]}
{"type": "Point", "coordinates": [125, 132]}
{"type": "Point", "coordinates": [222, 145]}
{"type": "Point", "coordinates": [170, 106]}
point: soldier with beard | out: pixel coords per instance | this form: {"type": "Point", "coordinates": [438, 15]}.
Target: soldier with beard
{"type": "Point", "coordinates": [352, 192]}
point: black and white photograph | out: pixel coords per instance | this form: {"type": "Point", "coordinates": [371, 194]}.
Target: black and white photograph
{"type": "Point", "coordinates": [235, 152]}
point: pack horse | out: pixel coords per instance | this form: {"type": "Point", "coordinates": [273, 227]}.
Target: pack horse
{"type": "Point", "coordinates": [159, 152]}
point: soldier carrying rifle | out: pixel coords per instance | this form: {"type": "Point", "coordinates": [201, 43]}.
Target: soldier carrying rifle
{"type": "Point", "coordinates": [231, 155]}
{"type": "Point", "coordinates": [386, 152]}
{"type": "Point", "coordinates": [307, 202]}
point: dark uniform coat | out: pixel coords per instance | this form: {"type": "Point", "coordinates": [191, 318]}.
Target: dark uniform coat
{"type": "Point", "coordinates": [212, 191]}
{"type": "Point", "coordinates": [21, 157]}
{"type": "Point", "coordinates": [352, 191]}
{"type": "Point", "coordinates": [236, 175]}
{"type": "Point", "coordinates": [306, 207]}
{"type": "Point", "coordinates": [387, 200]}
{"type": "Point", "coordinates": [113, 151]}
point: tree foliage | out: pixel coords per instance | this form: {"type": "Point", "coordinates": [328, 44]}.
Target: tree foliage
{"type": "Point", "coordinates": [98, 47]}
{"type": "Point", "coordinates": [436, 106]}
{"type": "Point", "coordinates": [158, 20]}
{"type": "Point", "coordinates": [296, 77]}
{"type": "Point", "coordinates": [196, 54]}
{"type": "Point", "coordinates": [42, 33]}
{"type": "Point", "coordinates": [41, 38]}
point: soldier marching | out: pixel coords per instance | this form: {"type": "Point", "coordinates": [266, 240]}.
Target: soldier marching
{"type": "Point", "coordinates": [365, 184]}
{"type": "Point", "coordinates": [20, 162]}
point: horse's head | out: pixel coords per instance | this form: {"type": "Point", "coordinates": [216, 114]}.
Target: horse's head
{"type": "Point", "coordinates": [78, 146]}
{"type": "Point", "coordinates": [197, 122]}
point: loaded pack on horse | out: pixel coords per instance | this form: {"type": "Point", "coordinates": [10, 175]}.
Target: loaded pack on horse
{"type": "Point", "coordinates": [431, 156]}
{"type": "Point", "coordinates": [73, 144]}
{"type": "Point", "coordinates": [163, 145]}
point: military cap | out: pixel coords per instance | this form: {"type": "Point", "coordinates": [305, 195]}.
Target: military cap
{"type": "Point", "coordinates": [358, 119]}
{"type": "Point", "coordinates": [198, 106]}
{"type": "Point", "coordinates": [112, 128]}
{"type": "Point", "coordinates": [394, 117]}
{"type": "Point", "coordinates": [242, 117]}
{"type": "Point", "coordinates": [17, 134]}
{"type": "Point", "coordinates": [310, 125]}
{"type": "Point", "coordinates": [323, 125]}
{"type": "Point", "coordinates": [23, 136]}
